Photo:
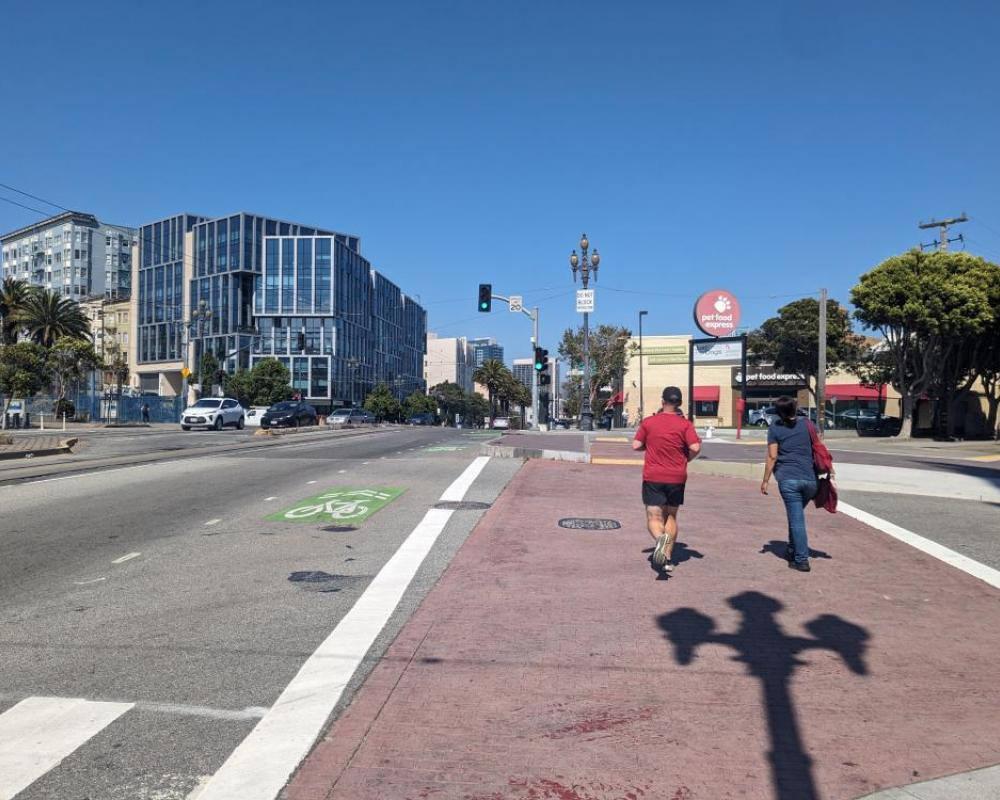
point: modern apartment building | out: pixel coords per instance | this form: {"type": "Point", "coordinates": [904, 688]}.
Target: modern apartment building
{"type": "Point", "coordinates": [244, 287]}
{"type": "Point", "coordinates": [449, 359]}
{"type": "Point", "coordinates": [73, 254]}
{"type": "Point", "coordinates": [485, 349]}
{"type": "Point", "coordinates": [339, 326]}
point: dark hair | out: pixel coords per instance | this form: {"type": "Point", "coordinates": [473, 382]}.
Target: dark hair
{"type": "Point", "coordinates": [786, 408]}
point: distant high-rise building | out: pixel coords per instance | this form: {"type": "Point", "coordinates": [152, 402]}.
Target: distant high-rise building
{"type": "Point", "coordinates": [523, 369]}
{"type": "Point", "coordinates": [73, 254]}
{"type": "Point", "coordinates": [448, 359]}
{"type": "Point", "coordinates": [485, 349]}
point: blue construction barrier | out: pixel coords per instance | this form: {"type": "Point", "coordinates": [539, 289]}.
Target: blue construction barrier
{"type": "Point", "coordinates": [107, 408]}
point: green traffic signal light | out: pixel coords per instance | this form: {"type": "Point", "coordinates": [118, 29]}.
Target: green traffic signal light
{"type": "Point", "coordinates": [485, 297]}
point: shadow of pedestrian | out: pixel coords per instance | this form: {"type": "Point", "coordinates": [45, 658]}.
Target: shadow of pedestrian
{"type": "Point", "coordinates": [679, 555]}
{"type": "Point", "coordinates": [772, 656]}
{"type": "Point", "coordinates": [777, 547]}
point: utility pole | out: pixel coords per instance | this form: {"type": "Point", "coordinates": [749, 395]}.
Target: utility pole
{"type": "Point", "coordinates": [820, 367]}
{"type": "Point", "coordinates": [943, 225]}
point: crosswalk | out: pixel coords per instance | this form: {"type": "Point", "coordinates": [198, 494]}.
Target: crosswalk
{"type": "Point", "coordinates": [39, 732]}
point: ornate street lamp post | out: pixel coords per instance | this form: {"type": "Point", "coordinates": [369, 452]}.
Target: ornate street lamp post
{"type": "Point", "coordinates": [585, 266]}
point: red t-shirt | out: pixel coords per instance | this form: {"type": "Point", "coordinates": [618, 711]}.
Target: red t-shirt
{"type": "Point", "coordinates": [667, 437]}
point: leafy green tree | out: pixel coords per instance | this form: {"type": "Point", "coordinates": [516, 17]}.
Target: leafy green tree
{"type": "Point", "coordinates": [47, 316]}
{"type": "Point", "coordinates": [451, 399]}
{"type": "Point", "coordinates": [207, 372]}
{"type": "Point", "coordinates": [240, 385]}
{"type": "Point", "coordinates": [477, 409]}
{"type": "Point", "coordinates": [924, 305]}
{"type": "Point", "coordinates": [267, 383]}
{"type": "Point", "coordinates": [13, 299]}
{"type": "Point", "coordinates": [790, 340]}
{"type": "Point", "coordinates": [23, 373]}
{"type": "Point", "coordinates": [607, 355]}
{"type": "Point", "coordinates": [492, 374]}
{"type": "Point", "coordinates": [521, 397]}
{"type": "Point", "coordinates": [571, 397]}
{"type": "Point", "coordinates": [419, 403]}
{"type": "Point", "coordinates": [270, 382]}
{"type": "Point", "coordinates": [382, 404]}
{"type": "Point", "coordinates": [69, 360]}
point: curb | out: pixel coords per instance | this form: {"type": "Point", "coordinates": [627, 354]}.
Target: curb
{"type": "Point", "coordinates": [506, 451]}
{"type": "Point", "coordinates": [62, 449]}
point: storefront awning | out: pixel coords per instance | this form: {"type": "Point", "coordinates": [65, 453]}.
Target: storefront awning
{"type": "Point", "coordinates": [853, 391]}
{"type": "Point", "coordinates": [617, 400]}
{"type": "Point", "coordinates": [706, 394]}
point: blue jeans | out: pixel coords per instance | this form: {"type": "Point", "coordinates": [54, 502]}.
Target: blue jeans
{"type": "Point", "coordinates": [796, 494]}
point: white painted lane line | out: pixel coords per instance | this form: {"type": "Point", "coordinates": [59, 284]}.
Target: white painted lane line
{"type": "Point", "coordinates": [87, 583]}
{"type": "Point", "coordinates": [39, 732]}
{"type": "Point", "coordinates": [215, 521]}
{"type": "Point", "coordinates": [309, 483]}
{"type": "Point", "coordinates": [268, 499]}
{"type": "Point", "coordinates": [462, 483]}
{"type": "Point", "coordinates": [948, 556]}
{"type": "Point", "coordinates": [125, 558]}
{"type": "Point", "coordinates": [341, 471]}
{"type": "Point", "coordinates": [261, 765]}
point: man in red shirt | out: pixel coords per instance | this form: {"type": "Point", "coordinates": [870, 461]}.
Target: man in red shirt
{"type": "Point", "coordinates": [670, 442]}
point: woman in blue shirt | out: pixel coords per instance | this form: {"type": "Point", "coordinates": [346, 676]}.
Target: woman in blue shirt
{"type": "Point", "coordinates": [790, 458]}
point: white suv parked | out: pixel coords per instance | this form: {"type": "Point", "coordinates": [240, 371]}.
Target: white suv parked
{"type": "Point", "coordinates": [213, 412]}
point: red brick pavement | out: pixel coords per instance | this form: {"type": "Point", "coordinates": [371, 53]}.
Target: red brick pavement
{"type": "Point", "coordinates": [554, 664]}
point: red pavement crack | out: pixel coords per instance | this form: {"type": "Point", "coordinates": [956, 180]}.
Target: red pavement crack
{"type": "Point", "coordinates": [382, 705]}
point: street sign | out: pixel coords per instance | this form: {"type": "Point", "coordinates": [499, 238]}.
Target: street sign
{"type": "Point", "coordinates": [584, 300]}
{"type": "Point", "coordinates": [516, 303]}
{"type": "Point", "coordinates": [185, 372]}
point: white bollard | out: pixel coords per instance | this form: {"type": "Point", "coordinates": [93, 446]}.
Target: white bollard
{"type": "Point", "coordinates": [64, 420]}
{"type": "Point", "coordinates": [41, 420]}
{"type": "Point", "coordinates": [709, 432]}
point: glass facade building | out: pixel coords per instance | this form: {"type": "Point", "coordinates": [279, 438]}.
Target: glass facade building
{"type": "Point", "coordinates": [337, 324]}
{"type": "Point", "coordinates": [275, 289]}
{"type": "Point", "coordinates": [486, 349]}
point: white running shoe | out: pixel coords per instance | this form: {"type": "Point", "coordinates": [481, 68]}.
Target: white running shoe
{"type": "Point", "coordinates": [659, 554]}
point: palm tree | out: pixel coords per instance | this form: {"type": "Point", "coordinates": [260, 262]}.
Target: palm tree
{"type": "Point", "coordinates": [48, 317]}
{"type": "Point", "coordinates": [13, 298]}
{"type": "Point", "coordinates": [492, 375]}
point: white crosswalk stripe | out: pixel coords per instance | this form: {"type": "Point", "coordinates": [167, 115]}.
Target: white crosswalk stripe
{"type": "Point", "coordinates": [39, 732]}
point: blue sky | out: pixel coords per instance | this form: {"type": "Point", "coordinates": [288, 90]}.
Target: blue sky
{"type": "Point", "coordinates": [768, 148]}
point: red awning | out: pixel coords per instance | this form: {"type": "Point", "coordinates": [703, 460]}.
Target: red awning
{"type": "Point", "coordinates": [617, 400]}
{"type": "Point", "coordinates": [853, 391]}
{"type": "Point", "coordinates": [706, 394]}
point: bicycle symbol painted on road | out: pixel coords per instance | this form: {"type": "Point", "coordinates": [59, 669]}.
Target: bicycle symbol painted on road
{"type": "Point", "coordinates": [342, 505]}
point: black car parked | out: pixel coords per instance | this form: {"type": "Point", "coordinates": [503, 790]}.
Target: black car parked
{"type": "Point", "coordinates": [289, 414]}
{"type": "Point", "coordinates": [421, 419]}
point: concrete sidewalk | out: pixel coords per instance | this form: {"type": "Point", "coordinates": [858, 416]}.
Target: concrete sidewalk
{"type": "Point", "coordinates": [36, 444]}
{"type": "Point", "coordinates": [553, 662]}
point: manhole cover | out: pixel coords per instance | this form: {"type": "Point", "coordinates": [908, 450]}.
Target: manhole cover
{"type": "Point", "coordinates": [338, 528]}
{"type": "Point", "coordinates": [589, 524]}
{"type": "Point", "coordinates": [461, 505]}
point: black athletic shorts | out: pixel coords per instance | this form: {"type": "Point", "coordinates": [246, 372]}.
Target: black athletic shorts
{"type": "Point", "coordinates": [662, 494]}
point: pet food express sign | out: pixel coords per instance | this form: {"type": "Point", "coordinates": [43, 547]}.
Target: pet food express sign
{"type": "Point", "coordinates": [717, 313]}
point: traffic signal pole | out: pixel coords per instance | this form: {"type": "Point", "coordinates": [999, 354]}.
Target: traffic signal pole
{"type": "Point", "coordinates": [533, 316]}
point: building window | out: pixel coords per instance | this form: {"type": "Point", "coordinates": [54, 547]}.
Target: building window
{"type": "Point", "coordinates": [706, 408]}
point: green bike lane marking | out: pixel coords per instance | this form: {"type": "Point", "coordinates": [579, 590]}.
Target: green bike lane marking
{"type": "Point", "coordinates": [343, 504]}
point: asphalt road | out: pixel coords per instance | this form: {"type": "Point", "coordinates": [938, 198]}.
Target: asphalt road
{"type": "Point", "coordinates": [166, 586]}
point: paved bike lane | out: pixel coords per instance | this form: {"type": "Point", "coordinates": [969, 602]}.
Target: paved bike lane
{"type": "Point", "coordinates": [555, 663]}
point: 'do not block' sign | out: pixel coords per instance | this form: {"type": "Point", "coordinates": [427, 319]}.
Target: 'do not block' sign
{"type": "Point", "coordinates": [717, 313]}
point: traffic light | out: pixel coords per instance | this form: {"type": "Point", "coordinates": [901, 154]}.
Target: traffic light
{"type": "Point", "coordinates": [485, 297]}
{"type": "Point", "coordinates": [542, 366]}
{"type": "Point", "coordinates": [301, 340]}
